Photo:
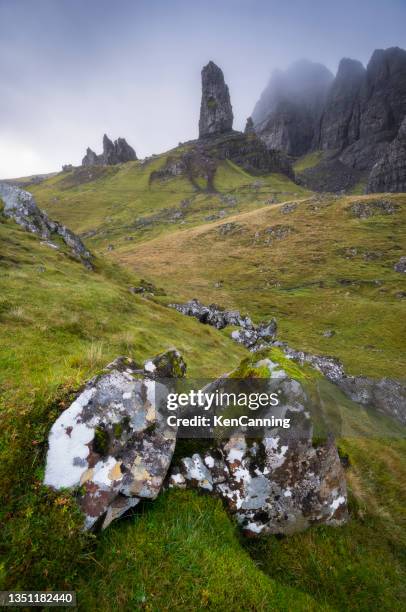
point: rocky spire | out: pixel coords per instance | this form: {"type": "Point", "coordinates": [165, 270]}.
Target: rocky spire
{"type": "Point", "coordinates": [90, 159]}
{"type": "Point", "coordinates": [249, 126]}
{"type": "Point", "coordinates": [216, 113]}
{"type": "Point", "coordinates": [109, 151]}
{"type": "Point", "coordinates": [123, 150]}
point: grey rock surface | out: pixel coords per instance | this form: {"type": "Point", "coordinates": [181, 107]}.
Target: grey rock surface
{"type": "Point", "coordinates": [20, 206]}
{"type": "Point", "coordinates": [116, 152]}
{"type": "Point", "coordinates": [389, 173]}
{"type": "Point", "coordinates": [278, 483]}
{"type": "Point", "coordinates": [254, 337]}
{"type": "Point", "coordinates": [113, 445]}
{"type": "Point", "coordinates": [216, 113]}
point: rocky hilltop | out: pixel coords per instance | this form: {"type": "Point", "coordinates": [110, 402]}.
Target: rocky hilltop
{"type": "Point", "coordinates": [116, 152]}
{"type": "Point", "coordinates": [352, 118]}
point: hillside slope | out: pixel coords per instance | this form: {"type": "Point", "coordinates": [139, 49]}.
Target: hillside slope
{"type": "Point", "coordinates": [311, 262]}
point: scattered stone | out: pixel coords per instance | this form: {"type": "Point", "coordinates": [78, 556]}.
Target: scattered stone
{"type": "Point", "coordinates": [146, 287]}
{"type": "Point", "coordinates": [288, 208]}
{"type": "Point", "coordinates": [67, 168]}
{"type": "Point", "coordinates": [363, 210]}
{"type": "Point", "coordinates": [329, 333]}
{"type": "Point", "coordinates": [400, 266]}
{"type": "Point", "coordinates": [20, 206]}
{"type": "Point", "coordinates": [113, 445]}
{"type": "Point", "coordinates": [229, 228]}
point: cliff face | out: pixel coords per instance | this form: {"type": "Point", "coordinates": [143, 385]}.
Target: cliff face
{"type": "Point", "coordinates": [354, 117]}
{"type": "Point", "coordinates": [287, 115]}
{"type": "Point", "coordinates": [216, 113]}
{"type": "Point", "coordinates": [339, 124]}
{"type": "Point", "coordinates": [389, 173]}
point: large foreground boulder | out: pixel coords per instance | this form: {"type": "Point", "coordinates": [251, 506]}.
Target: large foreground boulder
{"type": "Point", "coordinates": [20, 206]}
{"type": "Point", "coordinates": [277, 482]}
{"type": "Point", "coordinates": [113, 445]}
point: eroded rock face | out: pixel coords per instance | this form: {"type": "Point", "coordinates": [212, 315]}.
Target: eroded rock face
{"type": "Point", "coordinates": [340, 119]}
{"type": "Point", "coordinates": [20, 205]}
{"type": "Point", "coordinates": [216, 113]}
{"type": "Point", "coordinates": [278, 484]}
{"type": "Point", "coordinates": [389, 173]}
{"type": "Point", "coordinates": [254, 337]}
{"type": "Point", "coordinates": [113, 444]}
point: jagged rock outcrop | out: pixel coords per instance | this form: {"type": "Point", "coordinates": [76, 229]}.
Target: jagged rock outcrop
{"type": "Point", "coordinates": [116, 152]}
{"type": "Point", "coordinates": [339, 125]}
{"type": "Point", "coordinates": [254, 337]}
{"type": "Point", "coordinates": [216, 113]}
{"type": "Point", "coordinates": [113, 444]}
{"type": "Point", "coordinates": [287, 115]}
{"type": "Point", "coordinates": [389, 173]}
{"type": "Point", "coordinates": [20, 206]}
{"type": "Point", "coordinates": [91, 158]}
{"type": "Point", "coordinates": [277, 483]}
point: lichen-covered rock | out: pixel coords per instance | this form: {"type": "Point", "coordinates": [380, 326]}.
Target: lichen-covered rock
{"type": "Point", "coordinates": [216, 113]}
{"type": "Point", "coordinates": [365, 208]}
{"type": "Point", "coordinates": [20, 205]}
{"type": "Point", "coordinates": [113, 445]}
{"type": "Point", "coordinates": [278, 483]}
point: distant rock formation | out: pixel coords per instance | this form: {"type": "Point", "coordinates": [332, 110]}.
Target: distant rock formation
{"type": "Point", "coordinates": [216, 113]}
{"type": "Point", "coordinates": [116, 152]}
{"type": "Point", "coordinates": [389, 173]}
{"type": "Point", "coordinates": [287, 115]}
{"type": "Point", "coordinates": [353, 118]}
{"type": "Point", "coordinates": [20, 206]}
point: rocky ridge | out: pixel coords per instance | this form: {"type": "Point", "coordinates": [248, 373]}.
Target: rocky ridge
{"type": "Point", "coordinates": [20, 206]}
{"type": "Point", "coordinates": [389, 173]}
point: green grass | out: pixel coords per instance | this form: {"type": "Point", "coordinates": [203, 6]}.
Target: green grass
{"type": "Point", "coordinates": [184, 559]}
{"type": "Point", "coordinates": [60, 324]}
{"type": "Point", "coordinates": [308, 161]}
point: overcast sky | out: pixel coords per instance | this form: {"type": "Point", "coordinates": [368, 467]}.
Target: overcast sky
{"type": "Point", "coordinates": [71, 70]}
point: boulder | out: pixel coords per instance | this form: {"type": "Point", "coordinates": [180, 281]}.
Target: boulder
{"type": "Point", "coordinates": [112, 446]}
{"type": "Point", "coordinates": [400, 266]}
{"type": "Point", "coordinates": [20, 206]}
{"type": "Point", "coordinates": [277, 483]}
{"type": "Point", "coordinates": [216, 113]}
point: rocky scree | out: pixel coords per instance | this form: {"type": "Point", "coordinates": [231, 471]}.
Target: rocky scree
{"type": "Point", "coordinates": [254, 337]}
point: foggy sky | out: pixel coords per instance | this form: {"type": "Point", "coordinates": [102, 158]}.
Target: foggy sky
{"type": "Point", "coordinates": [71, 70]}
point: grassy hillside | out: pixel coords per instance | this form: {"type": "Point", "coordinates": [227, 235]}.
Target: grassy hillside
{"type": "Point", "coordinates": [316, 268]}
{"type": "Point", "coordinates": [120, 204]}
{"type": "Point", "coordinates": [59, 324]}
